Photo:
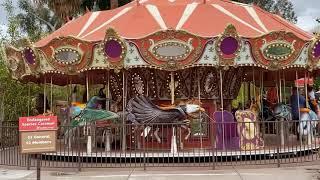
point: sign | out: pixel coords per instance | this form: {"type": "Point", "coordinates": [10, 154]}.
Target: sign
{"type": "Point", "coordinates": [38, 123]}
{"type": "Point", "coordinates": [302, 81]}
{"type": "Point", "coordinates": [38, 142]}
{"type": "Point", "coordinates": [38, 134]}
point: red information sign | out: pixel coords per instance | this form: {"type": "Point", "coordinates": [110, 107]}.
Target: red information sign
{"type": "Point", "coordinates": [38, 123]}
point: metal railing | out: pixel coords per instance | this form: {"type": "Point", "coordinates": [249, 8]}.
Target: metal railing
{"type": "Point", "coordinates": [207, 144]}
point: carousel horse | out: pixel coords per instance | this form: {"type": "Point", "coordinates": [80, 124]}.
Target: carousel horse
{"type": "Point", "coordinates": [142, 112]}
{"type": "Point", "coordinates": [83, 114]}
{"type": "Point", "coordinates": [307, 121]}
{"type": "Point", "coordinates": [86, 114]}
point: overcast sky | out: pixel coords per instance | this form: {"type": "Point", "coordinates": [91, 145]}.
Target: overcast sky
{"type": "Point", "coordinates": [306, 10]}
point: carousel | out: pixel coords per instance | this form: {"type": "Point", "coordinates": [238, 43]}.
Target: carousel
{"type": "Point", "coordinates": [174, 76]}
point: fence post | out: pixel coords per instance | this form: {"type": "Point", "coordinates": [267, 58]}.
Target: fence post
{"type": "Point", "coordinates": [38, 166]}
{"type": "Point", "coordinates": [28, 162]}
{"type": "Point", "coordinates": [79, 148]}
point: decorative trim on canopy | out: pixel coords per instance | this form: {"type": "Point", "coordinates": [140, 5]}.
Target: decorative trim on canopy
{"type": "Point", "coordinates": [228, 46]}
{"type": "Point", "coordinates": [314, 52]}
{"type": "Point", "coordinates": [171, 50]}
{"type": "Point", "coordinates": [168, 50]}
{"type": "Point", "coordinates": [277, 49]}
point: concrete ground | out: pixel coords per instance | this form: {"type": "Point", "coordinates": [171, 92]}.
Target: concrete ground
{"type": "Point", "coordinates": [289, 173]}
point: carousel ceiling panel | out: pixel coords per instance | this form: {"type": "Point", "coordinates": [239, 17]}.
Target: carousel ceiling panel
{"type": "Point", "coordinates": [209, 56]}
{"type": "Point", "coordinates": [171, 50]}
{"type": "Point", "coordinates": [133, 57]}
{"type": "Point", "coordinates": [302, 59]}
{"type": "Point", "coordinates": [203, 18]}
{"type": "Point", "coordinates": [245, 57]}
{"type": "Point", "coordinates": [99, 59]}
{"type": "Point", "coordinates": [43, 64]}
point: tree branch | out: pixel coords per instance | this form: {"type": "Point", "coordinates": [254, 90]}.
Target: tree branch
{"type": "Point", "coordinates": [52, 28]}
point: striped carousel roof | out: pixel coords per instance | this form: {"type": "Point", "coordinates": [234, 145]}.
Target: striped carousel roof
{"type": "Point", "coordinates": [205, 18]}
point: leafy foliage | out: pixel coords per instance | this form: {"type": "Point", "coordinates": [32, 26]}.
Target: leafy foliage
{"type": "Point", "coordinates": [13, 95]}
{"type": "Point", "coordinates": [284, 8]}
{"type": "Point", "coordinates": [36, 20]}
{"type": "Point", "coordinates": [67, 8]}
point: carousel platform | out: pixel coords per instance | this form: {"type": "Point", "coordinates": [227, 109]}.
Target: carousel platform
{"type": "Point", "coordinates": [269, 151]}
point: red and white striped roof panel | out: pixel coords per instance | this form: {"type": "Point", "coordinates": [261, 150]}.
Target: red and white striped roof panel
{"type": "Point", "coordinates": [206, 18]}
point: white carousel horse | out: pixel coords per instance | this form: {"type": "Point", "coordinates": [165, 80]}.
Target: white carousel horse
{"type": "Point", "coordinates": [307, 122]}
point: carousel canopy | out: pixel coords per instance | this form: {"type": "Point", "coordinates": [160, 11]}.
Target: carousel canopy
{"type": "Point", "coordinates": [141, 18]}
{"type": "Point", "coordinates": [169, 35]}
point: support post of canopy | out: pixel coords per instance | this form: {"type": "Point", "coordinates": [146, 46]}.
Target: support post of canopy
{"type": "Point", "coordinates": [107, 131]}
{"type": "Point", "coordinates": [44, 96]}
{"type": "Point", "coordinates": [308, 122]}
{"type": "Point", "coordinates": [124, 93]}
{"type": "Point", "coordinates": [200, 118]}
{"type": "Point", "coordinates": [284, 87]}
{"type": "Point", "coordinates": [261, 104]}
{"type": "Point", "coordinates": [89, 140]}
{"type": "Point", "coordinates": [87, 87]}
{"type": "Point", "coordinates": [305, 88]}
{"type": "Point", "coordinates": [243, 87]}
{"type": "Point", "coordinates": [172, 87]}
{"type": "Point", "coordinates": [282, 134]}
{"type": "Point", "coordinates": [222, 109]}
{"type": "Point", "coordinates": [173, 138]}
{"type": "Point", "coordinates": [280, 87]}
{"type": "Point", "coordinates": [254, 84]}
{"type": "Point", "coordinates": [28, 113]}
{"type": "Point", "coordinates": [51, 94]}
{"type": "Point", "coordinates": [297, 91]}
{"type": "Point", "coordinates": [108, 90]}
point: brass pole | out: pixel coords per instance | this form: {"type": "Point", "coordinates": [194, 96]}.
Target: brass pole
{"type": "Point", "coordinates": [222, 109]}
{"type": "Point", "coordinates": [172, 87]}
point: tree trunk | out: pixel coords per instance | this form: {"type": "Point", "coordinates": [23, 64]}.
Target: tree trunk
{"type": "Point", "coordinates": [114, 4]}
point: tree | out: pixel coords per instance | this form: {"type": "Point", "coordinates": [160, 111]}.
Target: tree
{"type": "Point", "coordinates": [284, 8]}
{"type": "Point", "coordinates": [71, 8]}
{"type": "Point", "coordinates": [32, 22]}
{"type": "Point", "coordinates": [36, 20]}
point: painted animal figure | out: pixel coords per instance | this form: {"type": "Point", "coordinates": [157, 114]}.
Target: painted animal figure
{"type": "Point", "coordinates": [141, 111]}
{"type": "Point", "coordinates": [86, 114]}
{"type": "Point", "coordinates": [282, 111]}
{"type": "Point", "coordinates": [83, 114]}
{"type": "Point", "coordinates": [307, 125]}
{"type": "Point", "coordinates": [307, 122]}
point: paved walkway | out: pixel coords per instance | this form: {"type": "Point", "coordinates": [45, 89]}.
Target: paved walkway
{"type": "Point", "coordinates": [293, 173]}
